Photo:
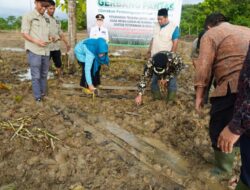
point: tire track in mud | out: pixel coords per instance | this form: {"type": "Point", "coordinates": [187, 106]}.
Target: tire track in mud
{"type": "Point", "coordinates": [161, 160]}
{"type": "Point", "coordinates": [97, 126]}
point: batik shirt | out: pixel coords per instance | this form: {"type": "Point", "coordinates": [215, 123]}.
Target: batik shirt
{"type": "Point", "coordinates": [173, 68]}
{"type": "Point", "coordinates": [241, 119]}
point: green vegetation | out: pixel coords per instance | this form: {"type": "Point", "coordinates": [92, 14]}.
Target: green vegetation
{"type": "Point", "coordinates": [80, 12]}
{"type": "Point", "coordinates": [10, 23]}
{"type": "Point", "coordinates": [193, 16]}
{"type": "Point", "coordinates": [14, 23]}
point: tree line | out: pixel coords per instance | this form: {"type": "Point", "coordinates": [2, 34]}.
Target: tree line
{"type": "Point", "coordinates": [14, 23]}
{"type": "Point", "coordinates": [192, 18]}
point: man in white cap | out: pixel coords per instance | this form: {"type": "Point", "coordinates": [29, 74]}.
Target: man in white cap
{"type": "Point", "coordinates": [99, 31]}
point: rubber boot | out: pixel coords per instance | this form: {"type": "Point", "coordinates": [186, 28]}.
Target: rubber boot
{"type": "Point", "coordinates": [156, 95]}
{"type": "Point", "coordinates": [223, 162]}
{"type": "Point", "coordinates": [171, 96]}
{"type": "Point", "coordinates": [241, 186]}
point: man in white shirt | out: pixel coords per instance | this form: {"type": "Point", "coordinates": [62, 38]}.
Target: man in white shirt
{"type": "Point", "coordinates": [99, 31]}
{"type": "Point", "coordinates": [165, 38]}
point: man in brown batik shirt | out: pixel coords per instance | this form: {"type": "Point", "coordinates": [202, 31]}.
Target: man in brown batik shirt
{"type": "Point", "coordinates": [223, 49]}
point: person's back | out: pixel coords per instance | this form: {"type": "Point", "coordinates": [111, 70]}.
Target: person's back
{"type": "Point", "coordinates": [222, 52]}
{"type": "Point", "coordinates": [230, 44]}
{"type": "Point", "coordinates": [227, 37]}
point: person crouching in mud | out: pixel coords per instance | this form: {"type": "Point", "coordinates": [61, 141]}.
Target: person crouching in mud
{"type": "Point", "coordinates": [165, 65]}
{"type": "Point", "coordinates": [91, 54]}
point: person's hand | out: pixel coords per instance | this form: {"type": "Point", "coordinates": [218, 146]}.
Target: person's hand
{"type": "Point", "coordinates": [226, 140]}
{"type": "Point", "coordinates": [41, 43]}
{"type": "Point", "coordinates": [52, 39]}
{"type": "Point", "coordinates": [92, 88]}
{"type": "Point", "coordinates": [198, 104]}
{"type": "Point", "coordinates": [163, 82]}
{"type": "Point", "coordinates": [138, 99]}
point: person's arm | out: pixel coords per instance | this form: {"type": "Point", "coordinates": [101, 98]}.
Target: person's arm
{"type": "Point", "coordinates": [25, 30]}
{"type": "Point", "coordinates": [147, 74]}
{"type": "Point", "coordinates": [150, 48]}
{"type": "Point", "coordinates": [175, 37]}
{"type": "Point", "coordinates": [62, 37]}
{"type": "Point", "coordinates": [203, 69]}
{"type": "Point", "coordinates": [175, 45]}
{"type": "Point", "coordinates": [41, 43]}
{"type": "Point", "coordinates": [89, 59]}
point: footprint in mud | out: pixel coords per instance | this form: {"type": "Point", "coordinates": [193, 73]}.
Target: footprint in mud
{"type": "Point", "coordinates": [88, 135]}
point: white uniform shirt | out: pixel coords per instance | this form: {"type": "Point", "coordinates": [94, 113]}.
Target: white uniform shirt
{"type": "Point", "coordinates": [99, 32]}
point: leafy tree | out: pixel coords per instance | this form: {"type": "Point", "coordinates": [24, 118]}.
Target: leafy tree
{"type": "Point", "coordinates": [80, 12]}
{"type": "Point", "coordinates": [193, 16]}
{"type": "Point", "coordinates": [10, 23]}
{"type": "Point", "coordinates": [3, 24]}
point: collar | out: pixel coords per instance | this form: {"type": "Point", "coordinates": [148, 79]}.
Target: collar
{"type": "Point", "coordinates": [52, 17]}
{"type": "Point", "coordinates": [37, 13]}
{"type": "Point", "coordinates": [164, 25]}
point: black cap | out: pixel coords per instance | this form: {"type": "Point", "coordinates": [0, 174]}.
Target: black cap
{"type": "Point", "coordinates": [99, 17]}
{"type": "Point", "coordinates": [163, 12]}
{"type": "Point", "coordinates": [160, 60]}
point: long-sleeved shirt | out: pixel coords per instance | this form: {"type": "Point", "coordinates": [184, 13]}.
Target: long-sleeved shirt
{"type": "Point", "coordinates": [173, 68]}
{"type": "Point", "coordinates": [241, 118]}
{"type": "Point", "coordinates": [222, 52]}
{"type": "Point", "coordinates": [87, 51]}
{"type": "Point", "coordinates": [85, 56]}
{"type": "Point", "coordinates": [99, 32]}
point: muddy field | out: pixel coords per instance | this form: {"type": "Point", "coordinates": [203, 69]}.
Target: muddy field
{"type": "Point", "coordinates": [73, 141]}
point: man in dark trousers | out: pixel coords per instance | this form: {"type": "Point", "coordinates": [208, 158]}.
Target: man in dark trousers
{"type": "Point", "coordinates": [223, 49]}
{"type": "Point", "coordinates": [55, 52]}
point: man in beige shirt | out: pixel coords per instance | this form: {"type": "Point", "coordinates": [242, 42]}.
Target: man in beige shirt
{"type": "Point", "coordinates": [165, 38]}
{"type": "Point", "coordinates": [223, 49]}
{"type": "Point", "coordinates": [57, 34]}
{"type": "Point", "coordinates": [36, 32]}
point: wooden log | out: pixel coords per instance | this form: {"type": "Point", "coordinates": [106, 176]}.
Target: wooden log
{"type": "Point", "coordinates": [115, 96]}
{"type": "Point", "coordinates": [102, 87]}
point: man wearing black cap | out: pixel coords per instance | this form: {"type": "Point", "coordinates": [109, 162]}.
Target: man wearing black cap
{"type": "Point", "coordinates": [99, 31]}
{"type": "Point", "coordinates": [164, 65]}
{"type": "Point", "coordinates": [165, 38]}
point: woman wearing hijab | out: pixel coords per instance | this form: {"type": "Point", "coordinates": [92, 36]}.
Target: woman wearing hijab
{"type": "Point", "coordinates": [91, 54]}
